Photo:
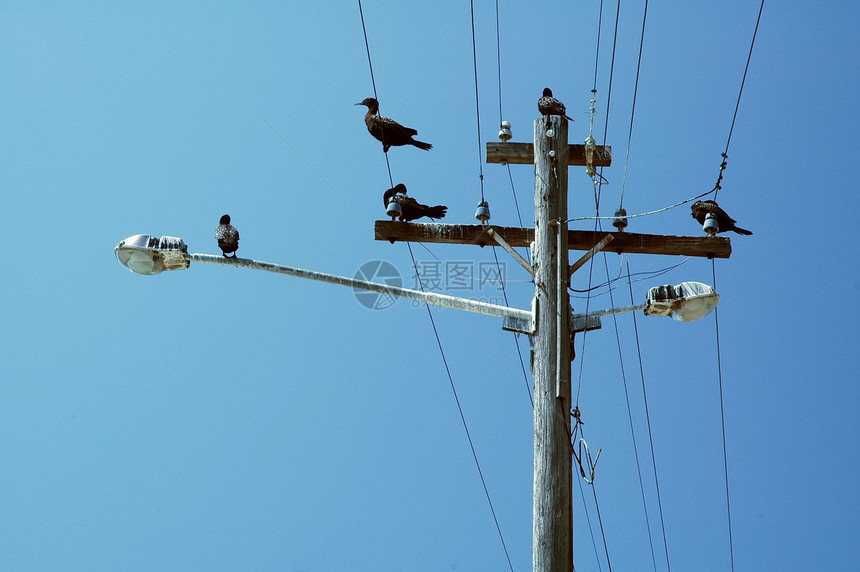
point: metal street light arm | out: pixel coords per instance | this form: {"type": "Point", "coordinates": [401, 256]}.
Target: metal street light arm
{"type": "Point", "coordinates": [434, 298]}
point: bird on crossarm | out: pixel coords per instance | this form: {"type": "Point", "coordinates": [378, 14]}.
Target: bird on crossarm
{"type": "Point", "coordinates": [410, 208]}
{"type": "Point", "coordinates": [701, 209]}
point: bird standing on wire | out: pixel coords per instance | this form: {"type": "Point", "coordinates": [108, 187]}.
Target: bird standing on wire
{"type": "Point", "coordinates": [388, 131]}
{"type": "Point", "coordinates": [228, 237]}
{"type": "Point", "coordinates": [701, 209]}
{"type": "Point", "coordinates": [548, 105]}
{"type": "Point", "coordinates": [410, 208]}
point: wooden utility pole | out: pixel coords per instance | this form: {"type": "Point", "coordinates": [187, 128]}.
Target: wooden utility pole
{"type": "Point", "coordinates": [551, 327]}
{"type": "Point", "coordinates": [553, 511]}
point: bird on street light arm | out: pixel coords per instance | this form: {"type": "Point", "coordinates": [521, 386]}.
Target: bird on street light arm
{"type": "Point", "coordinates": [228, 237]}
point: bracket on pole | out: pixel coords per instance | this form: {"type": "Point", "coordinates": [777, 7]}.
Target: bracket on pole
{"type": "Point", "coordinates": [503, 243]}
{"type": "Point", "coordinates": [522, 325]}
{"type": "Point", "coordinates": [584, 322]}
{"type": "Point", "coordinates": [594, 250]}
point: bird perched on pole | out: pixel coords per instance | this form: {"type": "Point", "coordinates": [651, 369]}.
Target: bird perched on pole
{"type": "Point", "coordinates": [701, 209]}
{"type": "Point", "coordinates": [388, 131]}
{"type": "Point", "coordinates": [228, 237]}
{"type": "Point", "coordinates": [410, 208]}
{"type": "Point", "coordinates": [548, 105]}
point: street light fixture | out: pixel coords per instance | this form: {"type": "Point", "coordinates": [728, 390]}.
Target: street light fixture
{"type": "Point", "coordinates": [145, 254]}
{"type": "Point", "coordinates": [685, 302]}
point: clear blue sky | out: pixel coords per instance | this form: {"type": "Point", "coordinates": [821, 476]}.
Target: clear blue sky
{"type": "Point", "coordinates": [220, 418]}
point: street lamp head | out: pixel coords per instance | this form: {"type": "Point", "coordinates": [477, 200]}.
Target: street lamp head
{"type": "Point", "coordinates": [685, 302]}
{"type": "Point", "coordinates": [145, 254]}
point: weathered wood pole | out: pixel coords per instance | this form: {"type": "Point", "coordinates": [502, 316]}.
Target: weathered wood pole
{"type": "Point", "coordinates": [553, 512]}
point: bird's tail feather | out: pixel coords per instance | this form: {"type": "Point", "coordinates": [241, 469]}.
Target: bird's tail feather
{"type": "Point", "coordinates": [740, 230]}
{"type": "Point", "coordinates": [422, 145]}
{"type": "Point", "coordinates": [439, 211]}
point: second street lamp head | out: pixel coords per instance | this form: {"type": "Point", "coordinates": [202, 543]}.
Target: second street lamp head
{"type": "Point", "coordinates": [685, 302]}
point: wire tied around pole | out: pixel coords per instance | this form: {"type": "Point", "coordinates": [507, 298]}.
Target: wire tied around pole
{"type": "Point", "coordinates": [578, 452]}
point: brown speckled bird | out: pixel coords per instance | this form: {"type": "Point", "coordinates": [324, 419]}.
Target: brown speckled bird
{"type": "Point", "coordinates": [548, 105]}
{"type": "Point", "coordinates": [228, 236]}
{"type": "Point", "coordinates": [410, 208]}
{"type": "Point", "coordinates": [388, 131]}
{"type": "Point", "coordinates": [725, 222]}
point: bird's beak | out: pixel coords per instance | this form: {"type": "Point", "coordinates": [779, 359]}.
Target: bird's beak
{"type": "Point", "coordinates": [359, 103]}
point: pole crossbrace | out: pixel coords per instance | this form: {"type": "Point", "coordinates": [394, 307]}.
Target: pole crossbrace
{"type": "Point", "coordinates": [588, 255]}
{"type": "Point", "coordinates": [516, 255]}
{"type": "Point", "coordinates": [517, 237]}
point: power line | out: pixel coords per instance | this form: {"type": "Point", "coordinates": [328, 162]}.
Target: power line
{"type": "Point", "coordinates": [589, 480]}
{"type": "Point", "coordinates": [723, 421]}
{"type": "Point", "coordinates": [630, 419]}
{"type": "Point", "coordinates": [597, 50]}
{"type": "Point", "coordinates": [477, 101]}
{"type": "Point", "coordinates": [462, 415]}
{"type": "Point", "coordinates": [597, 183]}
{"type": "Point", "coordinates": [510, 176]}
{"type": "Point", "coordinates": [647, 275]}
{"type": "Point", "coordinates": [516, 335]}
{"type": "Point", "coordinates": [590, 529]}
{"type": "Point", "coordinates": [642, 214]}
{"type": "Point", "coordinates": [373, 81]}
{"type": "Point", "coordinates": [501, 117]}
{"type": "Point", "coordinates": [633, 108]}
{"type": "Point", "coordinates": [499, 60]}
{"type": "Point", "coordinates": [725, 153]}
{"type": "Point", "coordinates": [608, 98]}
{"type": "Point", "coordinates": [717, 187]}
{"type": "Point", "coordinates": [430, 313]}
{"type": "Point", "coordinates": [650, 433]}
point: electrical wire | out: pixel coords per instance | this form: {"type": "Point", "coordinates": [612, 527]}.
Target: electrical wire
{"type": "Point", "coordinates": [510, 177]}
{"type": "Point", "coordinates": [589, 480]}
{"type": "Point", "coordinates": [649, 274]}
{"type": "Point", "coordinates": [630, 420]}
{"type": "Point", "coordinates": [723, 420]}
{"type": "Point", "coordinates": [608, 98]}
{"type": "Point", "coordinates": [430, 314]}
{"type": "Point", "coordinates": [501, 117]}
{"type": "Point", "coordinates": [477, 101]}
{"type": "Point", "coordinates": [597, 183]}
{"type": "Point", "coordinates": [633, 108]}
{"type": "Point", "coordinates": [373, 81]}
{"type": "Point", "coordinates": [516, 335]}
{"type": "Point", "coordinates": [685, 201]}
{"type": "Point", "coordinates": [499, 59]}
{"type": "Point", "coordinates": [725, 153]}
{"type": "Point", "coordinates": [717, 188]}
{"type": "Point", "coordinates": [597, 49]}
{"type": "Point", "coordinates": [650, 435]}
{"type": "Point", "coordinates": [590, 529]}
{"type": "Point", "coordinates": [462, 415]}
